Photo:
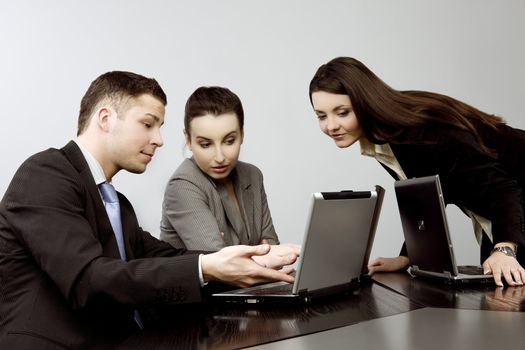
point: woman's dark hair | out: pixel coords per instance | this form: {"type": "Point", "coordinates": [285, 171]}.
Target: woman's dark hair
{"type": "Point", "coordinates": [213, 100]}
{"type": "Point", "coordinates": [384, 113]}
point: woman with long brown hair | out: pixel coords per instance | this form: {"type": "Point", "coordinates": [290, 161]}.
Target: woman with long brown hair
{"type": "Point", "coordinates": [479, 158]}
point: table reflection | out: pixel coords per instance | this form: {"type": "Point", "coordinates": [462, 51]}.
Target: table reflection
{"type": "Point", "coordinates": [436, 293]}
{"type": "Point", "coordinates": [227, 326]}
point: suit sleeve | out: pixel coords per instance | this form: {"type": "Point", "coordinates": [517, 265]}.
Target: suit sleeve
{"type": "Point", "coordinates": [474, 180]}
{"type": "Point", "coordinates": [46, 207]}
{"type": "Point", "coordinates": [187, 210]}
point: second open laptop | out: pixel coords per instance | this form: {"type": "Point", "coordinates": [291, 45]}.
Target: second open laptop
{"type": "Point", "coordinates": [336, 247]}
{"type": "Point", "coordinates": [427, 237]}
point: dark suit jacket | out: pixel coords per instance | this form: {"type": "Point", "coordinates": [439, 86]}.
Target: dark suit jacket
{"type": "Point", "coordinates": [492, 188]}
{"type": "Point", "coordinates": [62, 283]}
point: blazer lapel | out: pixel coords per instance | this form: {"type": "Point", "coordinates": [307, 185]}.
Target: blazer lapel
{"type": "Point", "coordinates": [244, 191]}
{"type": "Point", "coordinates": [240, 218]}
{"type": "Point", "coordinates": [232, 214]}
{"type": "Point", "coordinates": [99, 221]}
{"type": "Point", "coordinates": [128, 225]}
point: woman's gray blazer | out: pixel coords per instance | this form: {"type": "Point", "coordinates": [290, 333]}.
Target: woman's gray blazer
{"type": "Point", "coordinates": [196, 210]}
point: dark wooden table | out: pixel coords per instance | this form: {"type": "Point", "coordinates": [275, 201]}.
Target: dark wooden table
{"type": "Point", "coordinates": [211, 326]}
{"type": "Point", "coordinates": [434, 293]}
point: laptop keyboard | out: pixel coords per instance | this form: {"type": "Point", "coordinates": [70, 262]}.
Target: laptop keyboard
{"type": "Point", "coordinates": [283, 289]}
{"type": "Point", "coordinates": [470, 270]}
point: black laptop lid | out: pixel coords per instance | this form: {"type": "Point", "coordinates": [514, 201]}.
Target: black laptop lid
{"type": "Point", "coordinates": [422, 211]}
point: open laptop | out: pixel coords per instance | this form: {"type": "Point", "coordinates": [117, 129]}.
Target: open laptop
{"type": "Point", "coordinates": [336, 247]}
{"type": "Point", "coordinates": [429, 247]}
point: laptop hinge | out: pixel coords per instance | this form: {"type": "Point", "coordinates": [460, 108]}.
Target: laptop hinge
{"type": "Point", "coordinates": [448, 275]}
{"type": "Point", "coordinates": [303, 295]}
{"type": "Point", "coordinates": [303, 291]}
{"type": "Point", "coordinates": [364, 278]}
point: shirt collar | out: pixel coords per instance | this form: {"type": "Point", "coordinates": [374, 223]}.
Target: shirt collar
{"type": "Point", "coordinates": [373, 150]}
{"type": "Point", "coordinates": [94, 165]}
{"type": "Point", "coordinates": [383, 154]}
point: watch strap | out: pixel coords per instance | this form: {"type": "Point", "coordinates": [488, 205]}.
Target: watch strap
{"type": "Point", "coordinates": [505, 250]}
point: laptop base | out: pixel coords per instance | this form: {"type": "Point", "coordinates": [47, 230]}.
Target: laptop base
{"type": "Point", "coordinates": [243, 296]}
{"type": "Point", "coordinates": [449, 278]}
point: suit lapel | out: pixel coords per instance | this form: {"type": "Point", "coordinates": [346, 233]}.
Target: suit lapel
{"type": "Point", "coordinates": [128, 225]}
{"type": "Point", "coordinates": [246, 203]}
{"type": "Point", "coordinates": [244, 190]}
{"type": "Point", "coordinates": [232, 213]}
{"type": "Point", "coordinates": [99, 221]}
{"type": "Point", "coordinates": [239, 219]}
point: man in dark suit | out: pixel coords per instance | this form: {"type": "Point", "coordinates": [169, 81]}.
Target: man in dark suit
{"type": "Point", "coordinates": [68, 278]}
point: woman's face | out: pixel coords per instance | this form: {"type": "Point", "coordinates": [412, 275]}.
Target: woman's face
{"type": "Point", "coordinates": [216, 143]}
{"type": "Point", "coordinates": [337, 118]}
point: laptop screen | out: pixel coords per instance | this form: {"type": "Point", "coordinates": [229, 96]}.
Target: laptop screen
{"type": "Point", "coordinates": [340, 229]}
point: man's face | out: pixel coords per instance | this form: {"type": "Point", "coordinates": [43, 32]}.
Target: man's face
{"type": "Point", "coordinates": [134, 134]}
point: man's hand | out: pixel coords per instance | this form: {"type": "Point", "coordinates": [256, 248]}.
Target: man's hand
{"type": "Point", "coordinates": [388, 264]}
{"type": "Point", "coordinates": [500, 264]}
{"type": "Point", "coordinates": [234, 265]}
{"type": "Point", "coordinates": [279, 256]}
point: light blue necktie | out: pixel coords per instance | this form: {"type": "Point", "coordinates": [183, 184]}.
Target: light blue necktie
{"type": "Point", "coordinates": [113, 209]}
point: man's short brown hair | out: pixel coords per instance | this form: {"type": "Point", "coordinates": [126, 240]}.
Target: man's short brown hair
{"type": "Point", "coordinates": [115, 87]}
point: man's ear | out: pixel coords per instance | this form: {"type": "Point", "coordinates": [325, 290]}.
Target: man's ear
{"type": "Point", "coordinates": [103, 118]}
{"type": "Point", "coordinates": [187, 138]}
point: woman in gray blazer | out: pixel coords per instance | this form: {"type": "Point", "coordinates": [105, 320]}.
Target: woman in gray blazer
{"type": "Point", "coordinates": [213, 200]}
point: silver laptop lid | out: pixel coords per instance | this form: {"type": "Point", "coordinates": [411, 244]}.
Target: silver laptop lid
{"type": "Point", "coordinates": [338, 238]}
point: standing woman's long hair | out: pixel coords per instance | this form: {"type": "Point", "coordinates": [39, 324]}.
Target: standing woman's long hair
{"type": "Point", "coordinates": [384, 113]}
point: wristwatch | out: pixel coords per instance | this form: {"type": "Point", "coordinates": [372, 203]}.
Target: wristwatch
{"type": "Point", "coordinates": [505, 250]}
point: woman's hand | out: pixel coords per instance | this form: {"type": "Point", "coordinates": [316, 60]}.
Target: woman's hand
{"type": "Point", "coordinates": [235, 265]}
{"type": "Point", "coordinates": [500, 264]}
{"type": "Point", "coordinates": [388, 264]}
{"type": "Point", "coordinates": [279, 255]}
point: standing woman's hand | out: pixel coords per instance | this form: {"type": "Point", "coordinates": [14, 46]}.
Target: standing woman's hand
{"type": "Point", "coordinates": [500, 264]}
{"type": "Point", "coordinates": [388, 264]}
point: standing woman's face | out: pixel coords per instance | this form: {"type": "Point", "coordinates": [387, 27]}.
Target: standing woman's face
{"type": "Point", "coordinates": [337, 118]}
{"type": "Point", "coordinates": [216, 143]}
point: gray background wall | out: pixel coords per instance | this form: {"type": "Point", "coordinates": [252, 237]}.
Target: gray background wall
{"type": "Point", "coordinates": [266, 51]}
